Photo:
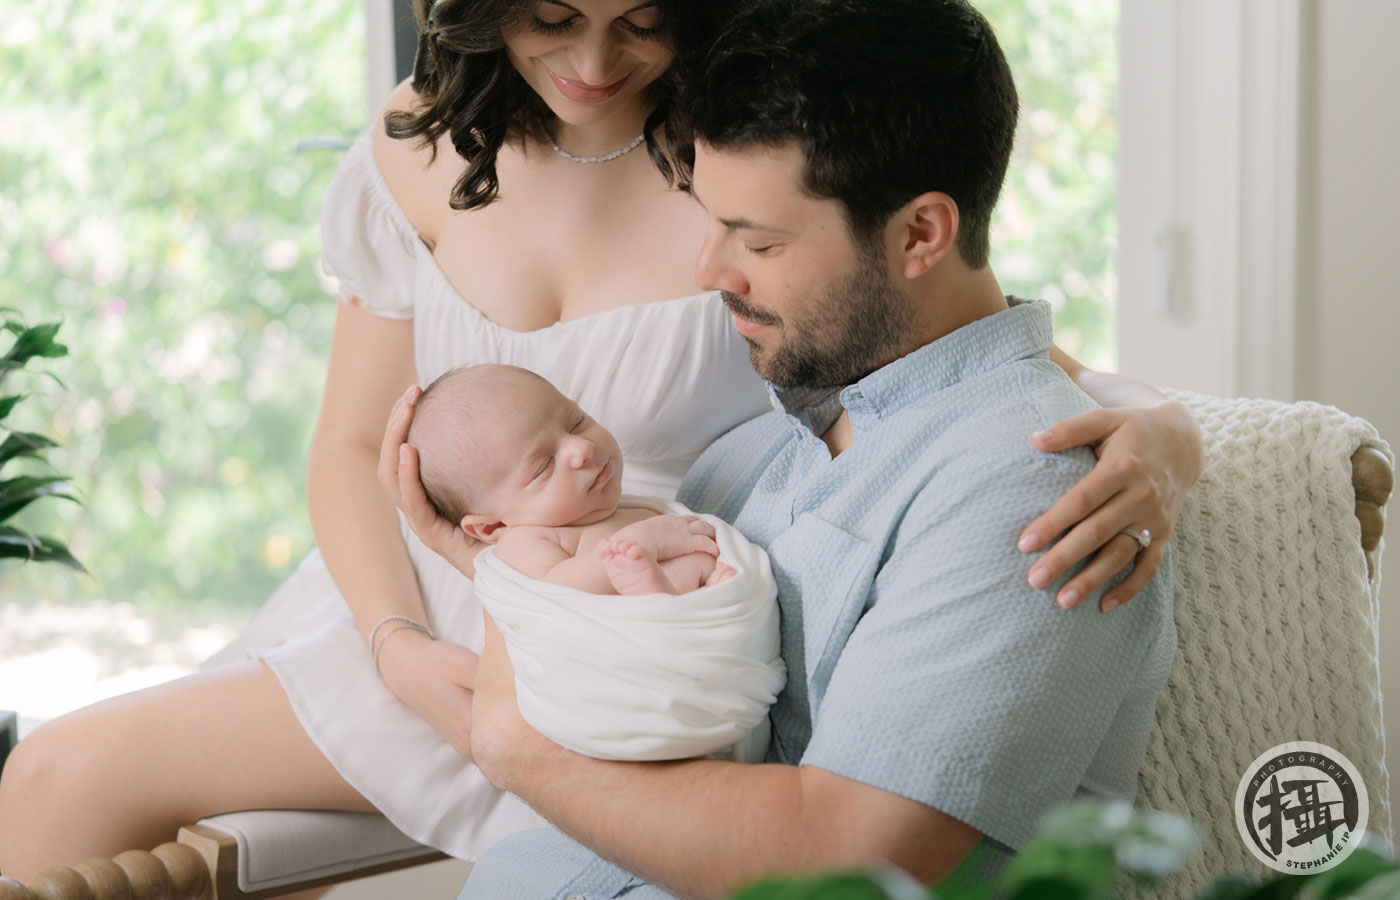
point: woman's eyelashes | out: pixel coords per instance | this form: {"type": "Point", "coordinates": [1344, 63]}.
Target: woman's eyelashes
{"type": "Point", "coordinates": [552, 28]}
{"type": "Point", "coordinates": [644, 32]}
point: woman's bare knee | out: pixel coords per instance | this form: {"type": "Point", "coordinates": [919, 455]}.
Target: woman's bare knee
{"type": "Point", "coordinates": [54, 804]}
{"type": "Point", "coordinates": [128, 772]}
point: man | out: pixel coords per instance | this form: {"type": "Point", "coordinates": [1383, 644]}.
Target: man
{"type": "Point", "coordinates": [849, 154]}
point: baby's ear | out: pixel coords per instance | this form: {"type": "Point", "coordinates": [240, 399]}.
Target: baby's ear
{"type": "Point", "coordinates": [483, 528]}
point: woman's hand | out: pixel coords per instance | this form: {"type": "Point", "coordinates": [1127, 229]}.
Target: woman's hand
{"type": "Point", "coordinates": [1148, 459]}
{"type": "Point", "coordinates": [436, 679]}
{"type": "Point", "coordinates": [398, 474]}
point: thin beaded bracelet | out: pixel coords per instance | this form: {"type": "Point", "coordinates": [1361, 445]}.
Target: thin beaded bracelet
{"type": "Point", "coordinates": [387, 619]}
{"type": "Point", "coordinates": [415, 626]}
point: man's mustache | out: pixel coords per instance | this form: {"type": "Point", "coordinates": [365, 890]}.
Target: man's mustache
{"type": "Point", "coordinates": [740, 308]}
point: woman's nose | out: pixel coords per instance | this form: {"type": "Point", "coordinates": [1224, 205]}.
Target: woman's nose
{"type": "Point", "coordinates": [595, 57]}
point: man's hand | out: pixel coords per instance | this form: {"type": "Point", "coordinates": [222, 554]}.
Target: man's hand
{"type": "Point", "coordinates": [502, 742]}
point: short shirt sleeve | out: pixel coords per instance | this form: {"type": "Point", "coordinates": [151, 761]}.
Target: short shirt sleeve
{"type": "Point", "coordinates": [368, 245]}
{"type": "Point", "coordinates": [963, 688]}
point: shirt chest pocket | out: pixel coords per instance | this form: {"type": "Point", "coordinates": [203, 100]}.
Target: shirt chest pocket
{"type": "Point", "coordinates": [824, 575]}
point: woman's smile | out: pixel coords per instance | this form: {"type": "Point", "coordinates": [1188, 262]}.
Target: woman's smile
{"type": "Point", "coordinates": [582, 92]}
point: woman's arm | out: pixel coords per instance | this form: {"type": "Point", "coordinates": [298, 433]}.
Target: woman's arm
{"type": "Point", "coordinates": [357, 530]}
{"type": "Point", "coordinates": [1150, 455]}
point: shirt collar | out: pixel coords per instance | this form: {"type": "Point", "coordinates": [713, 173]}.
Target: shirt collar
{"type": "Point", "coordinates": [1019, 332]}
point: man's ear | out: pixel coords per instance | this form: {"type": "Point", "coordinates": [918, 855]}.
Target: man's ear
{"type": "Point", "coordinates": [928, 230]}
{"type": "Point", "coordinates": [483, 528]}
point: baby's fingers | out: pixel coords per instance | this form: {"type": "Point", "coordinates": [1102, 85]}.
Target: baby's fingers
{"type": "Point", "coordinates": [701, 544]}
{"type": "Point", "coordinates": [698, 525]}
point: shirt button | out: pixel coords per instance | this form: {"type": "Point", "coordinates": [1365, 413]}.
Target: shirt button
{"type": "Point", "coordinates": [574, 896]}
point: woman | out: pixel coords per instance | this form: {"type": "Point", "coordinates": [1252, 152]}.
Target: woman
{"type": "Point", "coordinates": [555, 247]}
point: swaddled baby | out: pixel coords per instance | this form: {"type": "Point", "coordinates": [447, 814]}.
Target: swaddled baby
{"type": "Point", "coordinates": [637, 630]}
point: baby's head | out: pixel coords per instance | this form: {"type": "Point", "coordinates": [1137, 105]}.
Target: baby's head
{"type": "Point", "coordinates": [498, 446]}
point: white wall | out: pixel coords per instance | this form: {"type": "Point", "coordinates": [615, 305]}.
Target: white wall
{"type": "Point", "coordinates": [1349, 256]}
{"type": "Point", "coordinates": [1267, 133]}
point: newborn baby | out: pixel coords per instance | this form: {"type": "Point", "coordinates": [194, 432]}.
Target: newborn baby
{"type": "Point", "coordinates": [637, 629]}
{"type": "Point", "coordinates": [519, 465]}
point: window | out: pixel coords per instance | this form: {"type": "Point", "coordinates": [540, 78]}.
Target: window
{"type": "Point", "coordinates": [1054, 236]}
{"type": "Point", "coordinates": [154, 196]}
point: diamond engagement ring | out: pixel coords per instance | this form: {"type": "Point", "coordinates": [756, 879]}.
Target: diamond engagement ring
{"type": "Point", "coordinates": [1143, 537]}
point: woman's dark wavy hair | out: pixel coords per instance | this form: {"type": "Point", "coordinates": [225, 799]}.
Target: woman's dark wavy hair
{"type": "Point", "coordinates": [887, 98]}
{"type": "Point", "coordinates": [468, 88]}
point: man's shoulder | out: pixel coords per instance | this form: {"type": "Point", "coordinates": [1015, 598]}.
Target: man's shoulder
{"type": "Point", "coordinates": [980, 428]}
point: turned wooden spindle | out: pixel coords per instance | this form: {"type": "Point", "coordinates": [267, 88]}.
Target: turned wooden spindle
{"type": "Point", "coordinates": [1373, 479]}
{"type": "Point", "coordinates": [169, 872]}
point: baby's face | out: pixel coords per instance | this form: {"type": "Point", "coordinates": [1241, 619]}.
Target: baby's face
{"type": "Point", "coordinates": [559, 466]}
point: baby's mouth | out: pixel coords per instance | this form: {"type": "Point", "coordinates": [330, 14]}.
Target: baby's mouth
{"type": "Point", "coordinates": [604, 476]}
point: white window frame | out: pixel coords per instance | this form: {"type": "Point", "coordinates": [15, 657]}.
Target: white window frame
{"type": "Point", "coordinates": [1209, 118]}
{"type": "Point", "coordinates": [389, 45]}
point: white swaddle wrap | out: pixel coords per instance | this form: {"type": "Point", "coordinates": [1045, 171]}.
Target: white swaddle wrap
{"type": "Point", "coordinates": [646, 676]}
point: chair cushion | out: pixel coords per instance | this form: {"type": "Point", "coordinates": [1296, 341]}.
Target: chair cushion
{"type": "Point", "coordinates": [280, 847]}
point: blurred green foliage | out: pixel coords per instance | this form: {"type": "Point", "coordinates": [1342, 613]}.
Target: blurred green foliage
{"type": "Point", "coordinates": [151, 194]}
{"type": "Point", "coordinates": [1055, 232]}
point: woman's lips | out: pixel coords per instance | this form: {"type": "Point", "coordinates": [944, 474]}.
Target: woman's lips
{"type": "Point", "coordinates": [580, 92]}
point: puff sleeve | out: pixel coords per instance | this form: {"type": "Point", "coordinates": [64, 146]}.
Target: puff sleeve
{"type": "Point", "coordinates": [368, 244]}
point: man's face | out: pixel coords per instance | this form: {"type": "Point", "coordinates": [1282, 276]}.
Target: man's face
{"type": "Point", "coordinates": [818, 308]}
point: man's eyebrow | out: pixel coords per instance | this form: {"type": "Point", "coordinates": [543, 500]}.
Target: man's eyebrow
{"type": "Point", "coordinates": [740, 224]}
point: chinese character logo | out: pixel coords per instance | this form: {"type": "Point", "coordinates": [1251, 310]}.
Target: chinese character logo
{"type": "Point", "coordinates": [1301, 807]}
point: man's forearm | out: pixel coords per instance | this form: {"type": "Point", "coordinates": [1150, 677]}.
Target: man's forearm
{"type": "Point", "coordinates": [701, 828]}
{"type": "Point", "coordinates": [697, 828]}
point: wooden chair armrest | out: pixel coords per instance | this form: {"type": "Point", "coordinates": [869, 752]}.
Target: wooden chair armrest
{"type": "Point", "coordinates": [1374, 479]}
{"type": "Point", "coordinates": [171, 872]}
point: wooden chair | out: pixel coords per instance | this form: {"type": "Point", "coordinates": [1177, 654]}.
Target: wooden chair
{"type": "Point", "coordinates": [1279, 542]}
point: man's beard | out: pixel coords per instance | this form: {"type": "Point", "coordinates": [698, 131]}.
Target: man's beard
{"type": "Point", "coordinates": [856, 326]}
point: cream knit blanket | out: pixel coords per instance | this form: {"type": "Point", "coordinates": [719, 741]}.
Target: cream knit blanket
{"type": "Point", "coordinates": [1276, 620]}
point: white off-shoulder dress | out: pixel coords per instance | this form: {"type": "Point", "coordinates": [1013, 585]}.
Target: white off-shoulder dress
{"type": "Point", "coordinates": [666, 378]}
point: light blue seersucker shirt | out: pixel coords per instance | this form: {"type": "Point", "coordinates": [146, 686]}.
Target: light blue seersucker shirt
{"type": "Point", "coordinates": [919, 659]}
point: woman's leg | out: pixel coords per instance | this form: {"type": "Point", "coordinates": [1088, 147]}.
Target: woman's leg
{"type": "Point", "coordinates": [127, 772]}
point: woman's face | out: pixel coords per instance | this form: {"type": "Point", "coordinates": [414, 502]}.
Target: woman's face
{"type": "Point", "coordinates": [591, 59]}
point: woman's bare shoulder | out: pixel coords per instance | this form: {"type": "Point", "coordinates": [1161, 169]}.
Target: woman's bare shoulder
{"type": "Point", "coordinates": [420, 184]}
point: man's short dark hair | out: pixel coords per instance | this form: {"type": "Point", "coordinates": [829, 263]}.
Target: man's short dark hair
{"type": "Point", "coordinates": [887, 98]}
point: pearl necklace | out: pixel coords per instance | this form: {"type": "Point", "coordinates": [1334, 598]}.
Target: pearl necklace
{"type": "Point", "coordinates": [597, 159]}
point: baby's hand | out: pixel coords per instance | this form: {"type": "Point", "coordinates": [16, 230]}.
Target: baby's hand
{"type": "Point", "coordinates": [679, 535]}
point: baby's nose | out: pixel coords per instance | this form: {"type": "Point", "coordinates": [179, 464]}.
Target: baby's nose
{"type": "Point", "coordinates": [581, 452]}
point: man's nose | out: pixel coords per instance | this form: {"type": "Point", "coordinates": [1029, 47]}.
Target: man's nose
{"type": "Point", "coordinates": [713, 272]}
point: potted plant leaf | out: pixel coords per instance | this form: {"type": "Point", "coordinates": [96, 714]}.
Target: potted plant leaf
{"type": "Point", "coordinates": [19, 491]}
{"type": "Point", "coordinates": [1082, 852]}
